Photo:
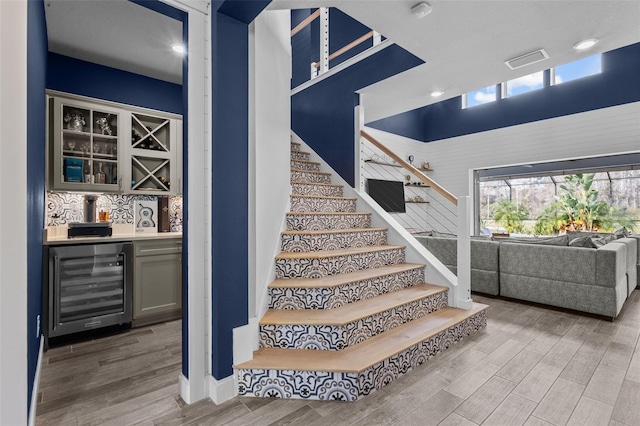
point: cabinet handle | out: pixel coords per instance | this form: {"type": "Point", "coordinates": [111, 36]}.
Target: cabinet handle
{"type": "Point", "coordinates": [156, 249]}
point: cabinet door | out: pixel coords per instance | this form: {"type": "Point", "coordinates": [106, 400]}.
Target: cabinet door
{"type": "Point", "coordinates": [84, 148]}
{"type": "Point", "coordinates": [157, 287]}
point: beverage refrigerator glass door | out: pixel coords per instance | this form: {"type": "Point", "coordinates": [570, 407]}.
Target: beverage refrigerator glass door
{"type": "Point", "coordinates": [89, 286]}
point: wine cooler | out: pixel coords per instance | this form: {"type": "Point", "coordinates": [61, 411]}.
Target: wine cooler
{"type": "Point", "coordinates": [89, 286]}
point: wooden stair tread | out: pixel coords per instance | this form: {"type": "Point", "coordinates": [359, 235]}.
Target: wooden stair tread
{"type": "Point", "coordinates": [341, 279]}
{"type": "Point", "coordinates": [323, 197]}
{"type": "Point", "coordinates": [310, 171]}
{"type": "Point", "coordinates": [333, 253]}
{"type": "Point", "coordinates": [306, 161]}
{"type": "Point", "coordinates": [303, 152]}
{"type": "Point", "coordinates": [334, 231]}
{"type": "Point", "coordinates": [363, 355]}
{"type": "Point", "coordinates": [296, 182]}
{"type": "Point", "coordinates": [353, 311]}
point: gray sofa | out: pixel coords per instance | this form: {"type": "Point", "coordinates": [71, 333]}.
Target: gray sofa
{"type": "Point", "coordinates": [591, 280]}
{"type": "Point", "coordinates": [548, 271]}
{"type": "Point", "coordinates": [484, 260]}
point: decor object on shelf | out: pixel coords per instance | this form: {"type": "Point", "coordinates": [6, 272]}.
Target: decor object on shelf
{"type": "Point", "coordinates": [146, 216]}
{"type": "Point", "coordinates": [75, 121]}
{"type": "Point", "coordinates": [105, 127]}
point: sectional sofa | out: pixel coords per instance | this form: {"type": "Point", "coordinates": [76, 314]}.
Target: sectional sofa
{"type": "Point", "coordinates": [549, 270]}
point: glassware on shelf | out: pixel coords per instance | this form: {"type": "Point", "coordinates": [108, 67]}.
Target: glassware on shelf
{"type": "Point", "coordinates": [100, 176]}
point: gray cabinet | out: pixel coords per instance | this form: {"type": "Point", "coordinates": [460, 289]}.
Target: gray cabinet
{"type": "Point", "coordinates": [157, 281]}
{"type": "Point", "coordinates": [102, 146]}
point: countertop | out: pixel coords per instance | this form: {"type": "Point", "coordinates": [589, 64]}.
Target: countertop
{"type": "Point", "coordinates": [58, 236]}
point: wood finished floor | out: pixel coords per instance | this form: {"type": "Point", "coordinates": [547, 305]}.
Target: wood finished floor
{"type": "Point", "coordinates": [531, 366]}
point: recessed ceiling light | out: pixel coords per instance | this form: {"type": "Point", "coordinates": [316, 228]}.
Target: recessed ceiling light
{"type": "Point", "coordinates": [437, 93]}
{"type": "Point", "coordinates": [421, 10]}
{"type": "Point", "coordinates": [178, 48]}
{"type": "Point", "coordinates": [585, 44]}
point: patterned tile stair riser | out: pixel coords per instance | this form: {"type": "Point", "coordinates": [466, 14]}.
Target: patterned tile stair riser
{"type": "Point", "coordinates": [305, 165]}
{"type": "Point", "coordinates": [300, 155]}
{"type": "Point", "coordinates": [322, 267]}
{"type": "Point", "coordinates": [301, 203]}
{"type": "Point", "coordinates": [318, 221]}
{"type": "Point", "coordinates": [334, 297]}
{"type": "Point", "coordinates": [338, 337]}
{"type": "Point", "coordinates": [310, 177]}
{"type": "Point", "coordinates": [349, 386]}
{"type": "Point", "coordinates": [316, 190]}
{"type": "Point", "coordinates": [333, 240]}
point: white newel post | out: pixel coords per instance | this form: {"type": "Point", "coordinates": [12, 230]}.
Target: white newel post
{"type": "Point", "coordinates": [463, 291]}
{"type": "Point", "coordinates": [358, 124]}
{"type": "Point", "coordinates": [324, 40]}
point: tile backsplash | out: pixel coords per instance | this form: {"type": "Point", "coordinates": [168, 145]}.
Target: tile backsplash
{"type": "Point", "coordinates": [63, 208]}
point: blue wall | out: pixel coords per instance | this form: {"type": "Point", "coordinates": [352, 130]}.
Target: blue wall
{"type": "Point", "coordinates": [36, 111]}
{"type": "Point", "coordinates": [230, 176]}
{"type": "Point", "coordinates": [112, 84]}
{"type": "Point", "coordinates": [617, 84]}
{"type": "Point", "coordinates": [322, 115]}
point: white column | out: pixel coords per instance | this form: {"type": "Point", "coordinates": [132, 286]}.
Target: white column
{"type": "Point", "coordinates": [13, 213]}
{"type": "Point", "coordinates": [324, 40]}
{"type": "Point", "coordinates": [358, 124]}
{"type": "Point", "coordinates": [194, 388]}
{"type": "Point", "coordinates": [377, 38]}
{"type": "Point", "coordinates": [463, 289]}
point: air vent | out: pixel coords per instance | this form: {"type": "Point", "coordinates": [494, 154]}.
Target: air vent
{"type": "Point", "coordinates": [527, 59]}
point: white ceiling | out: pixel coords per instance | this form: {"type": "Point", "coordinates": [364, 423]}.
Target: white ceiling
{"type": "Point", "coordinates": [116, 33]}
{"type": "Point", "coordinates": [463, 42]}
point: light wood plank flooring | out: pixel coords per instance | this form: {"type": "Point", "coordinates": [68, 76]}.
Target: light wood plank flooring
{"type": "Point", "coordinates": [531, 366]}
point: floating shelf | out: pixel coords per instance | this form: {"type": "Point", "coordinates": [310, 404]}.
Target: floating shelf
{"type": "Point", "coordinates": [424, 169]}
{"type": "Point", "coordinates": [416, 185]}
{"type": "Point", "coordinates": [417, 202]}
{"type": "Point", "coordinates": [382, 163]}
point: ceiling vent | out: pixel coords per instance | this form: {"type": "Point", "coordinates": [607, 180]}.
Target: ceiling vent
{"type": "Point", "coordinates": [527, 59]}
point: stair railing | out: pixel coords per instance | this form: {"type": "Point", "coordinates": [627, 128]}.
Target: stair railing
{"type": "Point", "coordinates": [453, 216]}
{"type": "Point", "coordinates": [322, 13]}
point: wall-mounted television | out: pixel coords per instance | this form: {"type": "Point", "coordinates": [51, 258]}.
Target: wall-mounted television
{"type": "Point", "coordinates": [388, 193]}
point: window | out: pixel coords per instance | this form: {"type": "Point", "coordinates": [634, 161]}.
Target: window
{"type": "Point", "coordinates": [524, 84]}
{"type": "Point", "coordinates": [480, 96]}
{"type": "Point", "coordinates": [578, 69]}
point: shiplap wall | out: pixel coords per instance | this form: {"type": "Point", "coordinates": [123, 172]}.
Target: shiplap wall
{"type": "Point", "coordinates": [595, 133]}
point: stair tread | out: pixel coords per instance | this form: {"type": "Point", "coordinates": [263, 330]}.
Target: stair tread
{"type": "Point", "coordinates": [303, 152]}
{"type": "Point", "coordinates": [323, 197]}
{"type": "Point", "coordinates": [314, 183]}
{"type": "Point", "coordinates": [333, 253]}
{"type": "Point", "coordinates": [365, 354]}
{"type": "Point", "coordinates": [341, 279]}
{"type": "Point", "coordinates": [333, 231]}
{"type": "Point", "coordinates": [305, 161]}
{"type": "Point", "coordinates": [353, 311]}
{"type": "Point", "coordinates": [310, 171]}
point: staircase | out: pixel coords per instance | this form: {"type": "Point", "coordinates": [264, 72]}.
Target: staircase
{"type": "Point", "coordinates": [347, 314]}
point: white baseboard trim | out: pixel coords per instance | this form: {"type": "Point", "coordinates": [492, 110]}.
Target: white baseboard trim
{"type": "Point", "coordinates": [222, 390]}
{"type": "Point", "coordinates": [184, 389]}
{"type": "Point", "coordinates": [36, 386]}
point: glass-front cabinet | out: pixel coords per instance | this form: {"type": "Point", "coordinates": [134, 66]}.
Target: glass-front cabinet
{"type": "Point", "coordinates": [85, 152]}
{"type": "Point", "coordinates": [102, 146]}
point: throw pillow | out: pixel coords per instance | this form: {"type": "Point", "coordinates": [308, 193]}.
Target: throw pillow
{"type": "Point", "coordinates": [621, 233]}
{"type": "Point", "coordinates": [588, 242]}
{"type": "Point", "coordinates": [561, 240]}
